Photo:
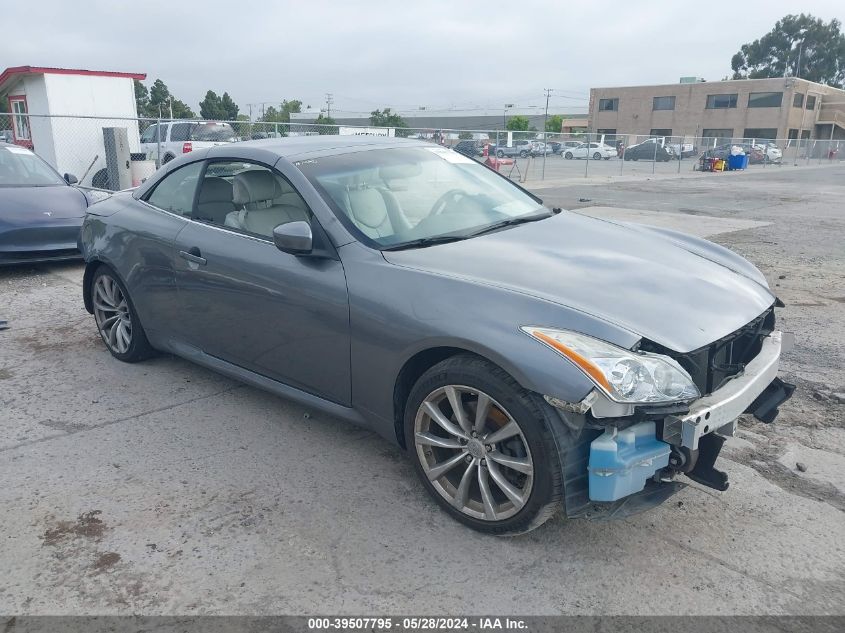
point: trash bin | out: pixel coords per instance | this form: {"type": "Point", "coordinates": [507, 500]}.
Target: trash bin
{"type": "Point", "coordinates": [140, 168]}
{"type": "Point", "coordinates": [738, 161]}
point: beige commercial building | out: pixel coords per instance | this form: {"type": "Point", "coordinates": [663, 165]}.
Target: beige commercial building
{"type": "Point", "coordinates": [781, 108]}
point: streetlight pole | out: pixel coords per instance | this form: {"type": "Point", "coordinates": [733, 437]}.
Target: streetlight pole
{"type": "Point", "coordinates": [505, 120]}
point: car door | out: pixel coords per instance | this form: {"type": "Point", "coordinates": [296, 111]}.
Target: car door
{"type": "Point", "coordinates": [246, 302]}
{"type": "Point", "coordinates": [145, 253]}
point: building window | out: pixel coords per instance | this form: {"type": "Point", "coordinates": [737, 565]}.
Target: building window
{"type": "Point", "coordinates": [798, 100]}
{"type": "Point", "coordinates": [721, 101]}
{"type": "Point", "coordinates": [608, 105]}
{"type": "Point", "coordinates": [20, 122]}
{"type": "Point", "coordinates": [811, 102]}
{"type": "Point", "coordinates": [718, 133]}
{"type": "Point", "coordinates": [661, 131]}
{"type": "Point", "coordinates": [761, 133]}
{"type": "Point", "coordinates": [609, 134]}
{"type": "Point", "coordinates": [765, 99]}
{"type": "Point", "coordinates": [663, 103]}
{"type": "Point", "coordinates": [793, 134]}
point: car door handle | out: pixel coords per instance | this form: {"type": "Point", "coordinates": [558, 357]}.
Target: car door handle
{"type": "Point", "coordinates": [193, 255]}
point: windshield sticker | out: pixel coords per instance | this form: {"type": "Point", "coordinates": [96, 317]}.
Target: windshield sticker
{"type": "Point", "coordinates": [450, 155]}
{"type": "Point", "coordinates": [17, 150]}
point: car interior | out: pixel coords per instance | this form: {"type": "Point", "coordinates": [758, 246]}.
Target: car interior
{"type": "Point", "coordinates": [254, 199]}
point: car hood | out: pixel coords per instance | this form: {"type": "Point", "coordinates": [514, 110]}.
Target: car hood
{"type": "Point", "coordinates": [27, 204]}
{"type": "Point", "coordinates": [676, 290]}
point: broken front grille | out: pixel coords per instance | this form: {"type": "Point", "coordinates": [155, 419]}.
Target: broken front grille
{"type": "Point", "coordinates": [714, 364]}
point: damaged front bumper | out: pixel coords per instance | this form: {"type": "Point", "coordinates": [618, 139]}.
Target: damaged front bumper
{"type": "Point", "coordinates": [693, 437]}
{"type": "Point", "coordinates": [721, 408]}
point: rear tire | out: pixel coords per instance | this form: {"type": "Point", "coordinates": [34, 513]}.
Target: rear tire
{"type": "Point", "coordinates": [597, 156]}
{"type": "Point", "coordinates": [167, 158]}
{"type": "Point", "coordinates": [523, 154]}
{"type": "Point", "coordinates": [500, 154]}
{"type": "Point", "coordinates": [568, 156]}
{"type": "Point", "coordinates": [498, 472]}
{"type": "Point", "coordinates": [116, 318]}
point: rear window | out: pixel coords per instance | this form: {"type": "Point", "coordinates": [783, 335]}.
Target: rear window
{"type": "Point", "coordinates": [213, 132]}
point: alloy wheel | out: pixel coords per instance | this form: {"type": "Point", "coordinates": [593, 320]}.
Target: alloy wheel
{"type": "Point", "coordinates": [111, 311]}
{"type": "Point", "coordinates": [473, 452]}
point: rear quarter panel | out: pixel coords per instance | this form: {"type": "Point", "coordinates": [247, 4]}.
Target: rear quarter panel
{"type": "Point", "coordinates": [136, 241]}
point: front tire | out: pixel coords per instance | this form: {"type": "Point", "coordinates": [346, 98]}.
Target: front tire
{"type": "Point", "coordinates": [482, 448]}
{"type": "Point", "coordinates": [597, 156]}
{"type": "Point", "coordinates": [568, 156]}
{"type": "Point", "coordinates": [116, 318]}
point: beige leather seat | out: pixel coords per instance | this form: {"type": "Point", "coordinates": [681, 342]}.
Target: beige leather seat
{"type": "Point", "coordinates": [215, 200]}
{"type": "Point", "coordinates": [374, 210]}
{"type": "Point", "coordinates": [258, 194]}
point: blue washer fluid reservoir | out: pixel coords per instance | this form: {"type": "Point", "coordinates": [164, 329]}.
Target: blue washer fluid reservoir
{"type": "Point", "coordinates": [622, 461]}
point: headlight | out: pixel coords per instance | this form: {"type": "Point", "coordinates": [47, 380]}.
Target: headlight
{"type": "Point", "coordinates": [625, 376]}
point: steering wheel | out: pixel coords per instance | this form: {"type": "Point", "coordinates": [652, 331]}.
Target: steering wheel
{"type": "Point", "coordinates": [453, 195]}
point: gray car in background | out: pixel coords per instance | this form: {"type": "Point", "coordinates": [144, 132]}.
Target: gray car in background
{"type": "Point", "coordinates": [527, 359]}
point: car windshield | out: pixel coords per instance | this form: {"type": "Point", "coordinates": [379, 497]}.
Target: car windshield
{"type": "Point", "coordinates": [21, 168]}
{"type": "Point", "coordinates": [213, 132]}
{"type": "Point", "coordinates": [418, 195]}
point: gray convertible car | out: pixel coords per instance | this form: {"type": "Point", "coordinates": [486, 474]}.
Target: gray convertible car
{"type": "Point", "coordinates": [527, 359]}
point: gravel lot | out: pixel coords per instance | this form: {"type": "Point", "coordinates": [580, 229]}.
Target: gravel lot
{"type": "Point", "coordinates": [162, 488]}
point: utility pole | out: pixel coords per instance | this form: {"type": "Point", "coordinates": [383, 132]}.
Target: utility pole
{"type": "Point", "coordinates": [548, 92]}
{"type": "Point", "coordinates": [329, 102]}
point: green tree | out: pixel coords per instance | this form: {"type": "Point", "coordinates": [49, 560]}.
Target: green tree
{"type": "Point", "coordinates": [798, 45]}
{"type": "Point", "coordinates": [386, 118]}
{"type": "Point", "coordinates": [554, 123]}
{"type": "Point", "coordinates": [142, 99]}
{"type": "Point", "coordinates": [161, 102]}
{"type": "Point", "coordinates": [282, 114]}
{"type": "Point", "coordinates": [229, 107]}
{"type": "Point", "coordinates": [328, 123]}
{"type": "Point", "coordinates": [212, 106]}
{"type": "Point", "coordinates": [517, 123]}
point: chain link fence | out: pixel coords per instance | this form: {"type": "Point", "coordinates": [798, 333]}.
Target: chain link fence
{"type": "Point", "coordinates": [77, 145]}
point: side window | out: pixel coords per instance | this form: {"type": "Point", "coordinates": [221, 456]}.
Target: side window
{"type": "Point", "coordinates": [248, 197]}
{"type": "Point", "coordinates": [176, 192]}
{"type": "Point", "coordinates": [149, 135]}
{"type": "Point", "coordinates": [180, 131]}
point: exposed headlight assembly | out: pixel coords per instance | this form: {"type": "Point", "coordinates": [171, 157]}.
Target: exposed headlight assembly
{"type": "Point", "coordinates": [624, 376]}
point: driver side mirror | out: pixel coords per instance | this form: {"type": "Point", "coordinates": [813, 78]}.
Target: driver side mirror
{"type": "Point", "coordinates": [293, 237]}
{"type": "Point", "coordinates": [71, 179]}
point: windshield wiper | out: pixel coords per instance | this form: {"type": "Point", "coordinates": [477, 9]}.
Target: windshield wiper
{"type": "Point", "coordinates": [426, 241]}
{"type": "Point", "coordinates": [511, 222]}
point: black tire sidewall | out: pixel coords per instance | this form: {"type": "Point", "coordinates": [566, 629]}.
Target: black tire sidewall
{"type": "Point", "coordinates": [477, 373]}
{"type": "Point", "coordinates": [139, 348]}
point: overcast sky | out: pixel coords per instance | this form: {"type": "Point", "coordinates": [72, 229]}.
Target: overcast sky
{"type": "Point", "coordinates": [465, 54]}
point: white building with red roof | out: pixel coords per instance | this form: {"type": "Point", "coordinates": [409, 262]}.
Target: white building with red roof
{"type": "Point", "coordinates": [45, 107]}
